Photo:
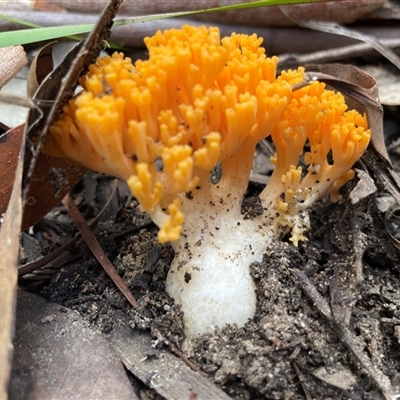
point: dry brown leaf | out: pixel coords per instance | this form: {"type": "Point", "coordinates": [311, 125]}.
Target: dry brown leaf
{"type": "Point", "coordinates": [9, 250]}
{"type": "Point", "coordinates": [12, 60]}
{"type": "Point", "coordinates": [389, 84]}
{"type": "Point", "coordinates": [362, 91]}
{"type": "Point", "coordinates": [44, 193]}
{"type": "Point", "coordinates": [41, 66]}
{"type": "Point", "coordinates": [385, 177]}
{"type": "Point", "coordinates": [52, 177]}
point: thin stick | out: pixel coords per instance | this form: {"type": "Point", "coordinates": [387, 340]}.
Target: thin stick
{"type": "Point", "coordinates": [302, 381]}
{"type": "Point", "coordinates": [33, 266]}
{"type": "Point", "coordinates": [334, 54]}
{"type": "Point", "coordinates": [175, 350]}
{"type": "Point", "coordinates": [9, 98]}
{"type": "Point", "coordinates": [98, 252]}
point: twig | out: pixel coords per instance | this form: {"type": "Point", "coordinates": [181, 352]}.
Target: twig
{"type": "Point", "coordinates": [334, 54]}
{"type": "Point", "coordinates": [33, 266]}
{"type": "Point", "coordinates": [9, 98]}
{"type": "Point", "coordinates": [12, 60]}
{"type": "Point", "coordinates": [178, 353]}
{"type": "Point", "coordinates": [175, 350]}
{"type": "Point", "coordinates": [384, 175]}
{"type": "Point", "coordinates": [344, 334]}
{"type": "Point", "coordinates": [96, 249]}
{"type": "Point", "coordinates": [302, 381]}
{"type": "Point", "coordinates": [337, 29]}
{"type": "Point", "coordinates": [290, 345]}
{"type": "Point", "coordinates": [81, 300]}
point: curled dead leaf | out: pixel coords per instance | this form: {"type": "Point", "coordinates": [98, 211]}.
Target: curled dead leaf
{"type": "Point", "coordinates": [41, 66]}
{"type": "Point", "coordinates": [9, 250]}
{"type": "Point", "coordinates": [46, 190]}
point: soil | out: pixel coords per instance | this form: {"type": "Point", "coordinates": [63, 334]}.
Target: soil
{"type": "Point", "coordinates": [289, 350]}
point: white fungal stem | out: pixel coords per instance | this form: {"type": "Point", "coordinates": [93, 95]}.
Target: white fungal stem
{"type": "Point", "coordinates": [210, 276]}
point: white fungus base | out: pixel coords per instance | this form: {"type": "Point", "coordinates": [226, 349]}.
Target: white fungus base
{"type": "Point", "coordinates": [210, 276]}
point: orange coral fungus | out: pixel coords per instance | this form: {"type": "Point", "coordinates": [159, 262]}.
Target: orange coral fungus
{"type": "Point", "coordinates": [198, 105]}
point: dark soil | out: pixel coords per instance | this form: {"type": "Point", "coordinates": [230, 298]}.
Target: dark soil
{"type": "Point", "coordinates": [289, 350]}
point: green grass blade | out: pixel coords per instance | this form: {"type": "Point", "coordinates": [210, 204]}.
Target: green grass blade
{"type": "Point", "coordinates": [37, 34]}
{"type": "Point", "coordinates": [26, 36]}
{"type": "Point", "coordinates": [253, 4]}
{"type": "Point", "coordinates": [239, 6]}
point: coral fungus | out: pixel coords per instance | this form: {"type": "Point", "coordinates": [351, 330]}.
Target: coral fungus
{"type": "Point", "coordinates": [194, 110]}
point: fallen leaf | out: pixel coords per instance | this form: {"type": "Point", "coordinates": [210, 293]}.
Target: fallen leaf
{"type": "Point", "coordinates": [9, 249]}
{"type": "Point", "coordinates": [169, 376]}
{"type": "Point", "coordinates": [59, 356]}
{"type": "Point", "coordinates": [385, 177]}
{"type": "Point", "coordinates": [392, 225]}
{"type": "Point", "coordinates": [42, 65]}
{"type": "Point", "coordinates": [389, 85]}
{"type": "Point", "coordinates": [51, 178]}
{"type": "Point", "coordinates": [337, 29]}
{"type": "Point", "coordinates": [44, 193]}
